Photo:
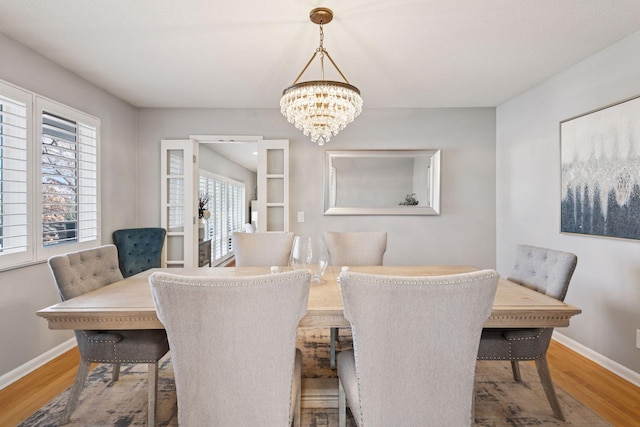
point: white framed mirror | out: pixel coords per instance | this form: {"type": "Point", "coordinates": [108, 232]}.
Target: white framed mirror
{"type": "Point", "coordinates": [382, 182]}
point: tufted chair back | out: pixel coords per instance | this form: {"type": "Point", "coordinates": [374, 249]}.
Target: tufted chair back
{"type": "Point", "coordinates": [545, 270]}
{"type": "Point", "coordinates": [77, 273]}
{"type": "Point", "coordinates": [139, 249]}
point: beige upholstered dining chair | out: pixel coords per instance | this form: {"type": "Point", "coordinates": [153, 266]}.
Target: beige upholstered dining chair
{"type": "Point", "coordinates": [424, 374]}
{"type": "Point", "coordinates": [233, 346]}
{"type": "Point", "coordinates": [262, 249]}
{"type": "Point", "coordinates": [80, 272]}
{"type": "Point", "coordinates": [546, 271]}
{"type": "Point", "coordinates": [348, 248]}
{"type": "Point", "coordinates": [353, 248]}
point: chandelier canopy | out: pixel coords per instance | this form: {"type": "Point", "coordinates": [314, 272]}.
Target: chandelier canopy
{"type": "Point", "coordinates": [321, 108]}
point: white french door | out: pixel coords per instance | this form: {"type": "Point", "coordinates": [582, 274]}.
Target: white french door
{"type": "Point", "coordinates": [179, 195]}
{"type": "Point", "coordinates": [179, 186]}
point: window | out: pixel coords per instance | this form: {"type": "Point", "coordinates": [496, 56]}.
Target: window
{"type": "Point", "coordinates": [228, 212]}
{"type": "Point", "coordinates": [15, 132]}
{"type": "Point", "coordinates": [49, 188]}
{"type": "Point", "coordinates": [175, 190]}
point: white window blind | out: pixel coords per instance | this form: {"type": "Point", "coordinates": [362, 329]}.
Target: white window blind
{"type": "Point", "coordinates": [69, 181]}
{"type": "Point", "coordinates": [175, 190]}
{"type": "Point", "coordinates": [15, 110]}
{"type": "Point", "coordinates": [228, 214]}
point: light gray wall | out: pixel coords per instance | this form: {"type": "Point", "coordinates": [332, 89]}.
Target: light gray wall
{"type": "Point", "coordinates": [463, 234]}
{"type": "Point", "coordinates": [606, 284]}
{"type": "Point", "coordinates": [25, 290]}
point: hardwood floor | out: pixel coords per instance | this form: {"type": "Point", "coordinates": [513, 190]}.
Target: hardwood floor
{"type": "Point", "coordinates": [22, 398]}
{"type": "Point", "coordinates": [613, 398]}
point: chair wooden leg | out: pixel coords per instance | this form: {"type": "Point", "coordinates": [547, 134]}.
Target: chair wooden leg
{"type": "Point", "coordinates": [153, 392]}
{"type": "Point", "coordinates": [515, 367]}
{"type": "Point", "coordinates": [297, 412]}
{"type": "Point", "coordinates": [547, 385]}
{"type": "Point", "coordinates": [342, 405]}
{"type": "Point", "coordinates": [473, 403]}
{"type": "Point", "coordinates": [332, 344]}
{"type": "Point", "coordinates": [116, 373]}
{"type": "Point", "coordinates": [81, 377]}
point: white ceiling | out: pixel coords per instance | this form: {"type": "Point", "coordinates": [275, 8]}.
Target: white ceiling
{"type": "Point", "coordinates": [243, 53]}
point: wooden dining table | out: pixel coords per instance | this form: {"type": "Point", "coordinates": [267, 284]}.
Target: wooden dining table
{"type": "Point", "coordinates": [128, 304]}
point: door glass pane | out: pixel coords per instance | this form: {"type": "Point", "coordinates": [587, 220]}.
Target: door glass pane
{"type": "Point", "coordinates": [175, 162]}
{"type": "Point", "coordinates": [275, 161]}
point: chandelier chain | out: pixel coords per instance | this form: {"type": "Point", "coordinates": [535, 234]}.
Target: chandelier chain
{"type": "Point", "coordinates": [322, 50]}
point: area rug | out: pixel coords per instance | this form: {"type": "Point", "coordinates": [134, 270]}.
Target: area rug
{"type": "Point", "coordinates": [500, 401]}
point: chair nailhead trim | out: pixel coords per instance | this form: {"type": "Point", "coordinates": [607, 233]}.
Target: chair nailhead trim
{"type": "Point", "coordinates": [240, 281]}
{"type": "Point", "coordinates": [396, 280]}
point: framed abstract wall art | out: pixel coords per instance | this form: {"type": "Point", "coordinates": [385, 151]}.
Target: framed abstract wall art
{"type": "Point", "coordinates": [600, 157]}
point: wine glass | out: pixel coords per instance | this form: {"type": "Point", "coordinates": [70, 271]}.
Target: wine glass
{"type": "Point", "coordinates": [310, 253]}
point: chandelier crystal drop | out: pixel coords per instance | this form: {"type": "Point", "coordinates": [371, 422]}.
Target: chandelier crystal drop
{"type": "Point", "coordinates": [321, 108]}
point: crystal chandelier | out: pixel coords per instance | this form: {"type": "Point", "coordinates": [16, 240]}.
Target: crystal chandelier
{"type": "Point", "coordinates": [321, 108]}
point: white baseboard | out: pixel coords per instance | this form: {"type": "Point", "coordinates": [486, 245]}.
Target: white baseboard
{"type": "Point", "coordinates": [14, 375]}
{"type": "Point", "coordinates": [614, 367]}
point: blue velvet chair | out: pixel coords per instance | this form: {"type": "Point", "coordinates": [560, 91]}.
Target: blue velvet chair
{"type": "Point", "coordinates": [548, 272]}
{"type": "Point", "coordinates": [139, 249]}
